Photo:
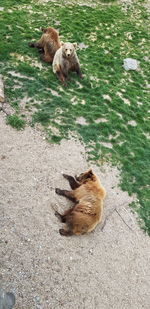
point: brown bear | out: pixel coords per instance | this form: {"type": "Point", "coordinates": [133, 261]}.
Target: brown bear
{"type": "Point", "coordinates": [87, 193]}
{"type": "Point", "coordinates": [66, 60]}
{"type": "Point", "coordinates": [48, 44]}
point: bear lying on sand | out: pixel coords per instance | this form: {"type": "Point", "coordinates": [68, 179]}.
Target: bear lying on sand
{"type": "Point", "coordinates": [88, 194]}
{"type": "Point", "coordinates": [66, 60]}
{"type": "Point", "coordinates": [48, 44]}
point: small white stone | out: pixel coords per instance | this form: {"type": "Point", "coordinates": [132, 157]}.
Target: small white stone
{"type": "Point", "coordinates": [130, 64]}
{"type": "Point", "coordinates": [91, 251]}
{"type": "Point", "coordinates": [132, 123]}
{"type": "Point", "coordinates": [82, 46]}
{"type": "Point", "coordinates": [107, 97]}
{"type": "Point", "coordinates": [81, 120]}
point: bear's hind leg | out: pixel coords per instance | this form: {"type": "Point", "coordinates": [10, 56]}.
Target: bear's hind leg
{"type": "Point", "coordinates": [35, 44]}
{"type": "Point", "coordinates": [60, 217]}
{"type": "Point", "coordinates": [65, 232]}
{"type": "Point", "coordinates": [46, 58]}
{"type": "Point", "coordinates": [63, 217]}
{"type": "Point", "coordinates": [32, 44]}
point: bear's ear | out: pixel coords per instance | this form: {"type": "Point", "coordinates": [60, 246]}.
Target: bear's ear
{"type": "Point", "coordinates": [90, 172]}
{"type": "Point", "coordinates": [62, 43]}
{"type": "Point", "coordinates": [75, 45]}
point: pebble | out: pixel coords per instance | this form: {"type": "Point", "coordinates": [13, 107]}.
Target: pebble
{"type": "Point", "coordinates": [130, 64]}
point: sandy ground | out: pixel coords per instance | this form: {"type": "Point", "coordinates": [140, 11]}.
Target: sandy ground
{"type": "Point", "coordinates": [105, 269]}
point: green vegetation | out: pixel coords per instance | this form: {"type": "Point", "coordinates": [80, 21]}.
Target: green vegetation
{"type": "Point", "coordinates": [113, 103]}
{"type": "Point", "coordinates": [16, 122]}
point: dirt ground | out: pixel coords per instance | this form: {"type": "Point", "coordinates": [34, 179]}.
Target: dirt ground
{"type": "Point", "coordinates": [105, 269]}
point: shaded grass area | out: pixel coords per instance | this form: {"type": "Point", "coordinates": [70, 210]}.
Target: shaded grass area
{"type": "Point", "coordinates": [109, 108]}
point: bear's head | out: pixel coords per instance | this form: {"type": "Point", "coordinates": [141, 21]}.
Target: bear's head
{"type": "Point", "coordinates": [68, 49]}
{"type": "Point", "coordinates": [84, 177]}
{"type": "Point", "coordinates": [48, 30]}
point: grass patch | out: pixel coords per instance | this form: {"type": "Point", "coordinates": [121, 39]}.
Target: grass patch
{"type": "Point", "coordinates": [112, 103]}
{"type": "Point", "coordinates": [16, 122]}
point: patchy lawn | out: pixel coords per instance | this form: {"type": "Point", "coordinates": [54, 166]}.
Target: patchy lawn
{"type": "Point", "coordinates": [109, 109]}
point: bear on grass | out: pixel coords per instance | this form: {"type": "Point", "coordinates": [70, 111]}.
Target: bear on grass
{"type": "Point", "coordinates": [66, 60]}
{"type": "Point", "coordinates": [48, 44]}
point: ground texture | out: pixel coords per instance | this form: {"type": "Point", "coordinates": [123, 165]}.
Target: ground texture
{"type": "Point", "coordinates": [108, 268]}
{"type": "Point", "coordinates": [109, 111]}
{"type": "Point", "coordinates": [109, 107]}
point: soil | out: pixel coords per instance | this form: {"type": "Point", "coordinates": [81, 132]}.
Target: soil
{"type": "Point", "coordinates": [108, 268]}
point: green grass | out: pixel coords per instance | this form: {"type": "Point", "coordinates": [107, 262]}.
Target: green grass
{"type": "Point", "coordinates": [16, 122]}
{"type": "Point", "coordinates": [114, 103]}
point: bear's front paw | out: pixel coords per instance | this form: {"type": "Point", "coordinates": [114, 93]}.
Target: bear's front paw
{"type": "Point", "coordinates": [62, 232]}
{"type": "Point", "coordinates": [58, 191]}
{"type": "Point", "coordinates": [31, 44]}
{"type": "Point", "coordinates": [66, 176]}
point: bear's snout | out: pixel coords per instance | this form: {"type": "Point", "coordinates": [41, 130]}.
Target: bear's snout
{"type": "Point", "coordinates": [68, 53]}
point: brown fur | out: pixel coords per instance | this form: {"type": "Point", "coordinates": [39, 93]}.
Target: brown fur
{"type": "Point", "coordinates": [87, 193]}
{"type": "Point", "coordinates": [48, 44]}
